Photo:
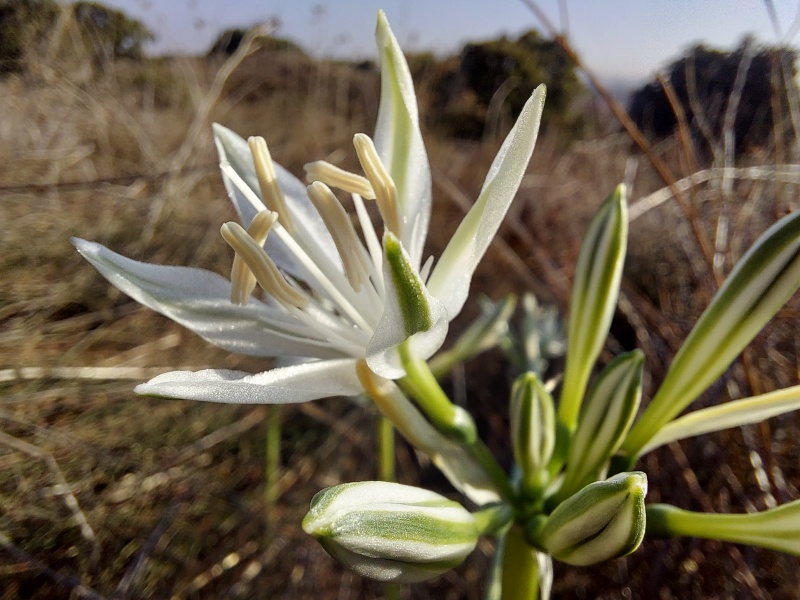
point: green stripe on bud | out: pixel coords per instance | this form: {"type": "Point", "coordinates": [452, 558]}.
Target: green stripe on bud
{"type": "Point", "coordinates": [391, 532]}
{"type": "Point", "coordinates": [605, 419]}
{"type": "Point", "coordinates": [594, 297]}
{"type": "Point", "coordinates": [777, 528]}
{"type": "Point", "coordinates": [604, 520]}
{"type": "Point", "coordinates": [532, 422]}
{"type": "Point", "coordinates": [410, 289]}
{"type": "Point", "coordinates": [759, 285]}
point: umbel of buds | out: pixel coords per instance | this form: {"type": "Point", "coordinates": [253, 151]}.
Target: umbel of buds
{"type": "Point", "coordinates": [391, 532]}
{"type": "Point", "coordinates": [604, 520]}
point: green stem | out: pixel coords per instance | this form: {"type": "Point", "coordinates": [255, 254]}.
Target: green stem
{"type": "Point", "coordinates": [272, 459]}
{"type": "Point", "coordinates": [386, 466]}
{"type": "Point", "coordinates": [523, 578]}
{"type": "Point", "coordinates": [387, 472]}
{"type": "Point", "coordinates": [451, 420]}
{"type": "Point", "coordinates": [413, 425]}
{"type": "Point", "coordinates": [492, 519]}
{"type": "Point", "coordinates": [484, 457]}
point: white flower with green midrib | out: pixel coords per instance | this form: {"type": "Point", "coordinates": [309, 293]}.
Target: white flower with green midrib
{"type": "Point", "coordinates": [332, 297]}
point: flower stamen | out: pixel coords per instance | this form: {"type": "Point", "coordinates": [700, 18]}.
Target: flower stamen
{"type": "Point", "coordinates": [268, 180]}
{"type": "Point", "coordinates": [334, 177]}
{"type": "Point", "coordinates": [243, 282]}
{"type": "Point", "coordinates": [261, 265]}
{"type": "Point", "coordinates": [336, 219]}
{"type": "Point", "coordinates": [381, 180]}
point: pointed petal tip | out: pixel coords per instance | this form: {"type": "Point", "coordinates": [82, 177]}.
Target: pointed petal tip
{"type": "Point", "coordinates": [79, 243]}
{"type": "Point", "coordinates": [383, 22]}
{"type": "Point", "coordinates": [86, 248]}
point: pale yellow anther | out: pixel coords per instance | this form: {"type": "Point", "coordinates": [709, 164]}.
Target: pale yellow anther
{"type": "Point", "coordinates": [382, 183]}
{"type": "Point", "coordinates": [336, 219]}
{"type": "Point", "coordinates": [334, 177]}
{"type": "Point", "coordinates": [268, 180]}
{"type": "Point", "coordinates": [263, 268]}
{"type": "Point", "coordinates": [243, 282]}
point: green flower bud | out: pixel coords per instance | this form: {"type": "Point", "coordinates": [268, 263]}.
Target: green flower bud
{"type": "Point", "coordinates": [604, 520]}
{"type": "Point", "coordinates": [595, 291]}
{"type": "Point", "coordinates": [532, 422]}
{"type": "Point", "coordinates": [391, 532]}
{"type": "Point", "coordinates": [606, 416]}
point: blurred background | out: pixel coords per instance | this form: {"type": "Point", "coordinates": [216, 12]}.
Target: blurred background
{"type": "Point", "coordinates": [105, 113]}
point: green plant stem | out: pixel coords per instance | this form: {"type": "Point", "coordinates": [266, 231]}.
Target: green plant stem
{"type": "Point", "coordinates": [272, 459]}
{"type": "Point", "coordinates": [493, 519]}
{"type": "Point", "coordinates": [449, 419]}
{"type": "Point", "coordinates": [411, 423]}
{"type": "Point", "coordinates": [521, 573]}
{"type": "Point", "coordinates": [387, 472]}
{"type": "Point", "coordinates": [484, 457]}
{"type": "Point", "coordinates": [386, 466]}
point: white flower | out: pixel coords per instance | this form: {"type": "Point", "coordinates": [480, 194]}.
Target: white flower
{"type": "Point", "coordinates": [331, 299]}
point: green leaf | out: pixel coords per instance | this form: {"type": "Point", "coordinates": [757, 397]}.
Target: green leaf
{"type": "Point", "coordinates": [759, 285]}
{"type": "Point", "coordinates": [594, 298]}
{"type": "Point", "coordinates": [725, 416]}
{"type": "Point", "coordinates": [777, 528]}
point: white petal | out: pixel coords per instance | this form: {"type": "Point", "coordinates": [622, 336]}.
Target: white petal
{"type": "Point", "coordinates": [410, 314]}
{"type": "Point", "coordinates": [200, 301]}
{"type": "Point", "coordinates": [452, 275]}
{"type": "Point", "coordinates": [285, 385]}
{"type": "Point", "coordinates": [399, 141]}
{"type": "Point", "coordinates": [310, 227]}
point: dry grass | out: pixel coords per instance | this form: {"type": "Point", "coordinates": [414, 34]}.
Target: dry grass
{"type": "Point", "coordinates": [105, 494]}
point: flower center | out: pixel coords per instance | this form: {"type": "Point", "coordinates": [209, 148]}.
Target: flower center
{"type": "Point", "coordinates": [357, 293]}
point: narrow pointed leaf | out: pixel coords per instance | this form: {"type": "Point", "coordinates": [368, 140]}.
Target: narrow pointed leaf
{"type": "Point", "coordinates": [736, 413]}
{"type": "Point", "coordinates": [777, 528]}
{"type": "Point", "coordinates": [284, 385]}
{"type": "Point", "coordinates": [594, 297]}
{"type": "Point", "coordinates": [759, 285]}
{"type": "Point", "coordinates": [399, 141]}
{"type": "Point", "coordinates": [200, 301]}
{"type": "Point", "coordinates": [451, 277]}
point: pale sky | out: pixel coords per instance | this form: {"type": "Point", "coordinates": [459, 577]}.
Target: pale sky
{"type": "Point", "coordinates": [628, 39]}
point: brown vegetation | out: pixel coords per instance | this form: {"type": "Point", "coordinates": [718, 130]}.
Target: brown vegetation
{"type": "Point", "coordinates": [105, 494]}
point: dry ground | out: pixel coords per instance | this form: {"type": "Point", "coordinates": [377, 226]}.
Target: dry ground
{"type": "Point", "coordinates": [105, 494]}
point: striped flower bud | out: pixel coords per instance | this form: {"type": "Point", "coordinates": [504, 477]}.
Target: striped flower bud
{"type": "Point", "coordinates": [604, 520]}
{"type": "Point", "coordinates": [532, 422]}
{"type": "Point", "coordinates": [391, 532]}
